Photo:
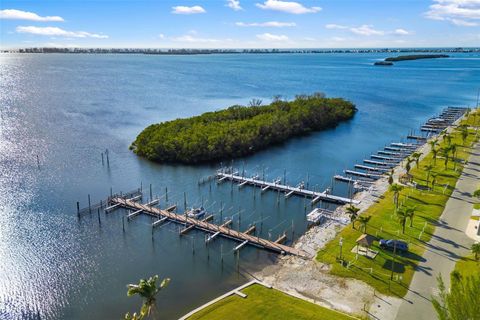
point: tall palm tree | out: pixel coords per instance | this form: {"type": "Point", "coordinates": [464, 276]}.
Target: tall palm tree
{"type": "Point", "coordinates": [453, 150]}
{"type": "Point", "coordinates": [446, 137]}
{"type": "Point", "coordinates": [407, 165]}
{"type": "Point", "coordinates": [390, 177]}
{"type": "Point", "coordinates": [416, 156]}
{"type": "Point", "coordinates": [396, 188]}
{"type": "Point", "coordinates": [402, 218]}
{"type": "Point", "coordinates": [429, 169]}
{"type": "Point", "coordinates": [433, 143]}
{"type": "Point", "coordinates": [148, 290]}
{"type": "Point", "coordinates": [476, 249]}
{"type": "Point", "coordinates": [353, 212]}
{"type": "Point", "coordinates": [363, 222]}
{"type": "Point", "coordinates": [464, 134]}
{"type": "Point", "coordinates": [446, 154]}
{"type": "Point", "coordinates": [434, 156]}
{"type": "Point", "coordinates": [410, 213]}
{"type": "Point", "coordinates": [434, 180]}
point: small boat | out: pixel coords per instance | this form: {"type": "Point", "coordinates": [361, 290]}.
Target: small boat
{"type": "Point", "coordinates": [196, 212]}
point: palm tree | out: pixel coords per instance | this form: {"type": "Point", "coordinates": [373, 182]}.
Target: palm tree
{"type": "Point", "coordinates": [407, 165]}
{"type": "Point", "coordinates": [447, 137]}
{"type": "Point", "coordinates": [390, 177]}
{"type": "Point", "coordinates": [429, 169]}
{"type": "Point", "coordinates": [147, 289]}
{"type": "Point", "coordinates": [446, 155]}
{"type": "Point", "coordinates": [416, 156]}
{"type": "Point", "coordinates": [476, 249]}
{"type": "Point", "coordinates": [453, 149]}
{"type": "Point", "coordinates": [434, 155]}
{"type": "Point", "coordinates": [433, 143]}
{"type": "Point", "coordinates": [364, 222]}
{"type": "Point", "coordinates": [434, 180]}
{"type": "Point", "coordinates": [402, 218]}
{"type": "Point", "coordinates": [410, 213]}
{"type": "Point", "coordinates": [396, 188]}
{"type": "Point", "coordinates": [464, 134]}
{"type": "Point", "coordinates": [353, 212]}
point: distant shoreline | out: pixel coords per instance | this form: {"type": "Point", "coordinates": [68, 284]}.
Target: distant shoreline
{"type": "Point", "coordinates": [235, 51]}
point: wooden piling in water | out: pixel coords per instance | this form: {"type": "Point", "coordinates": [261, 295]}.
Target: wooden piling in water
{"type": "Point", "coordinates": [89, 205]}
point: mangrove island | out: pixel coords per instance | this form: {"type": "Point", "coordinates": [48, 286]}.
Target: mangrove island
{"type": "Point", "coordinates": [239, 130]}
{"type": "Point", "coordinates": [389, 61]}
{"type": "Point", "coordinates": [417, 57]}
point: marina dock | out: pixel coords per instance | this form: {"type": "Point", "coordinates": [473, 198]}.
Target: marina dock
{"type": "Point", "coordinates": [216, 230]}
{"type": "Point", "coordinates": [288, 190]}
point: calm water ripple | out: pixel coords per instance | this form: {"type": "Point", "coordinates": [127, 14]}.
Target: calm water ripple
{"type": "Point", "coordinates": [67, 109]}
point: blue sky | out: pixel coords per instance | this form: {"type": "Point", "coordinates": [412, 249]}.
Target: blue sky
{"type": "Point", "coordinates": [240, 23]}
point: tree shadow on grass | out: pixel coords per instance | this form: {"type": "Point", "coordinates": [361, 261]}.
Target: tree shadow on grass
{"type": "Point", "coordinates": [398, 267]}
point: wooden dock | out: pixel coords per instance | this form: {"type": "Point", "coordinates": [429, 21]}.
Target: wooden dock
{"type": "Point", "coordinates": [288, 190]}
{"type": "Point", "coordinates": [243, 237]}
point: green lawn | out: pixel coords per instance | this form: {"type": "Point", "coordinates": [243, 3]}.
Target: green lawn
{"type": "Point", "coordinates": [263, 303]}
{"type": "Point", "coordinates": [467, 266]}
{"type": "Point", "coordinates": [384, 224]}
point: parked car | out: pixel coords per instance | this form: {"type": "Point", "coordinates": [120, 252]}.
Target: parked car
{"type": "Point", "coordinates": [392, 244]}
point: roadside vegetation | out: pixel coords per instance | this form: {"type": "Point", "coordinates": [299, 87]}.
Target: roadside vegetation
{"type": "Point", "coordinates": [404, 213]}
{"type": "Point", "coordinates": [263, 304]}
{"type": "Point", "coordinates": [239, 130]}
{"type": "Point", "coordinates": [462, 300]}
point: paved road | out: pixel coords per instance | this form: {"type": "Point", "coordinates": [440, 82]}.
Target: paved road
{"type": "Point", "coordinates": [447, 245]}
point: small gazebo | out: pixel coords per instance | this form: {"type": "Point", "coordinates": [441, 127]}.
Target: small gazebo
{"type": "Point", "coordinates": [364, 242]}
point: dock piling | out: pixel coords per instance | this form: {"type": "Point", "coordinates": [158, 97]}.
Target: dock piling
{"type": "Point", "coordinates": [185, 201]}
{"type": "Point", "coordinates": [78, 209]}
{"type": "Point", "coordinates": [89, 205]}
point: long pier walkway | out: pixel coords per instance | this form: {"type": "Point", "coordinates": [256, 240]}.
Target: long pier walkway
{"type": "Point", "coordinates": [289, 190]}
{"type": "Point", "coordinates": [208, 227]}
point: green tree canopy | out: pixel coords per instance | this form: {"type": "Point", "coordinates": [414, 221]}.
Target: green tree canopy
{"type": "Point", "coordinates": [239, 130]}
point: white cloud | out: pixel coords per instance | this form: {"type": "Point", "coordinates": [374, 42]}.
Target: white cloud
{"type": "Point", "coordinates": [14, 14]}
{"type": "Point", "coordinates": [191, 39]}
{"type": "Point", "coordinates": [367, 30]}
{"type": "Point", "coordinates": [338, 39]}
{"type": "Point", "coordinates": [54, 31]}
{"type": "Point", "coordinates": [161, 36]}
{"type": "Point", "coordinates": [187, 10]}
{"type": "Point", "coordinates": [234, 4]}
{"type": "Point", "coordinates": [272, 37]}
{"type": "Point", "coordinates": [463, 23]}
{"type": "Point", "coordinates": [287, 6]}
{"type": "Point", "coordinates": [401, 32]}
{"type": "Point", "coordinates": [274, 24]}
{"type": "Point", "coordinates": [458, 12]}
{"type": "Point", "coordinates": [335, 26]}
